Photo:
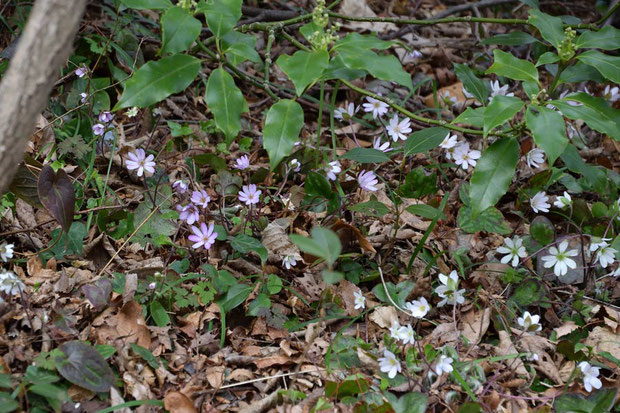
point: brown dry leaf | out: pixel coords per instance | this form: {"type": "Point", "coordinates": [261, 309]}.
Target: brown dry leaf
{"type": "Point", "coordinates": [38, 274]}
{"type": "Point", "coordinates": [544, 348]}
{"type": "Point", "coordinates": [240, 375]}
{"type": "Point", "coordinates": [215, 376]}
{"type": "Point", "coordinates": [272, 361]}
{"type": "Point", "coordinates": [131, 325]}
{"type": "Point", "coordinates": [506, 348]}
{"type": "Point", "coordinates": [359, 8]}
{"type": "Point", "coordinates": [384, 316]}
{"type": "Point", "coordinates": [442, 334]}
{"type": "Point", "coordinates": [116, 399]}
{"type": "Point", "coordinates": [455, 90]}
{"type": "Point", "coordinates": [602, 339]}
{"type": "Point", "coordinates": [276, 240]}
{"type": "Point", "coordinates": [347, 232]}
{"type": "Point", "coordinates": [565, 329]}
{"type": "Point", "coordinates": [177, 402]}
{"type": "Point", "coordinates": [475, 325]}
{"type": "Point", "coordinates": [131, 285]}
{"type": "Point", "coordinates": [346, 290]}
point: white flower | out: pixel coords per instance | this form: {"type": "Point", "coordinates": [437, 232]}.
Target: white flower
{"type": "Point", "coordinates": [444, 365]}
{"type": "Point", "coordinates": [529, 322]}
{"type": "Point", "coordinates": [289, 261]}
{"type": "Point", "coordinates": [467, 94]}
{"type": "Point", "coordinates": [450, 141]}
{"type": "Point", "coordinates": [532, 357]}
{"type": "Point", "coordinates": [152, 286]}
{"type": "Point", "coordinates": [406, 334]}
{"type": "Point", "coordinates": [464, 157]}
{"type": "Point", "coordinates": [497, 90]}
{"type": "Point", "coordinates": [243, 162]}
{"type": "Point", "coordinates": [346, 113]}
{"type": "Point", "coordinates": [394, 330]}
{"type": "Point", "coordinates": [418, 308]}
{"type": "Point", "coordinates": [590, 376]}
{"type": "Point", "coordinates": [452, 149]}
{"type": "Point", "coordinates": [333, 169]}
{"type": "Point", "coordinates": [377, 107]}
{"type": "Point", "coordinates": [6, 251]}
{"type": "Point", "coordinates": [447, 99]}
{"type": "Point", "coordinates": [367, 180]}
{"type": "Point", "coordinates": [415, 54]}
{"type": "Point", "coordinates": [563, 201]}
{"type": "Point", "coordinates": [84, 97]}
{"type": "Point", "coordinates": [138, 160]}
{"type": "Point", "coordinates": [535, 158]}
{"type": "Point", "coordinates": [10, 284]}
{"type": "Point", "coordinates": [398, 130]}
{"type": "Point", "coordinates": [539, 202]}
{"type": "Point", "coordinates": [132, 112]}
{"type": "Point", "coordinates": [360, 300]}
{"type": "Point", "coordinates": [376, 144]}
{"type": "Point", "coordinates": [606, 255]}
{"type": "Point", "coordinates": [611, 94]}
{"type": "Point", "coordinates": [449, 290]}
{"type": "Point", "coordinates": [389, 364]}
{"type": "Point", "coordinates": [596, 243]}
{"type": "Point", "coordinates": [559, 259]}
{"type": "Point", "coordinates": [514, 250]}
{"type": "Point", "coordinates": [616, 272]}
{"type": "Point", "coordinates": [294, 165]}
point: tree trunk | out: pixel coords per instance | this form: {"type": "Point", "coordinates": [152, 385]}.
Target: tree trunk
{"type": "Point", "coordinates": [43, 49]}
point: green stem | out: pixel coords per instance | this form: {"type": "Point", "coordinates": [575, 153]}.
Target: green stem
{"type": "Point", "coordinates": [268, 62]}
{"type": "Point", "coordinates": [608, 14]}
{"type": "Point", "coordinates": [561, 67]}
{"type": "Point", "coordinates": [319, 122]}
{"type": "Point", "coordinates": [332, 102]}
{"type": "Point", "coordinates": [294, 41]}
{"type": "Point", "coordinates": [429, 22]}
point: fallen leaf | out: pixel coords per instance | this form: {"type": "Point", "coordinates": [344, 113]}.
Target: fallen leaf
{"type": "Point", "coordinates": [505, 348]}
{"type": "Point", "coordinates": [475, 325]}
{"type": "Point", "coordinates": [131, 325]}
{"type": "Point", "coordinates": [177, 402]}
{"type": "Point", "coordinates": [384, 316]}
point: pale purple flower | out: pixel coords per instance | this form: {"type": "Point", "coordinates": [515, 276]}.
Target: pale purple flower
{"type": "Point", "coordinates": [204, 236]}
{"type": "Point", "coordinates": [201, 198]}
{"type": "Point", "coordinates": [105, 117]}
{"type": "Point", "coordinates": [188, 213]}
{"type": "Point", "coordinates": [398, 130]}
{"type": "Point", "coordinates": [289, 261]}
{"type": "Point", "coordinates": [415, 54]}
{"type": "Point", "coordinates": [242, 163]}
{"type": "Point", "coordinates": [346, 113]}
{"type": "Point", "coordinates": [377, 107]}
{"type": "Point", "coordinates": [152, 286]}
{"type": "Point", "coordinates": [535, 158]}
{"type": "Point", "coordinates": [138, 160]}
{"type": "Point", "coordinates": [447, 99]}
{"type": "Point", "coordinates": [84, 97]}
{"type": "Point", "coordinates": [333, 169]}
{"type": "Point", "coordinates": [539, 202]}
{"type": "Point", "coordinates": [81, 71]}
{"type": "Point", "coordinates": [558, 258]}
{"type": "Point", "coordinates": [98, 129]}
{"type": "Point", "coordinates": [367, 181]}
{"type": "Point", "coordinates": [383, 147]}
{"type": "Point", "coordinates": [467, 94]}
{"type": "Point", "coordinates": [564, 94]}
{"type": "Point", "coordinates": [249, 194]}
{"type": "Point", "coordinates": [180, 186]}
{"type": "Point", "coordinates": [465, 157]}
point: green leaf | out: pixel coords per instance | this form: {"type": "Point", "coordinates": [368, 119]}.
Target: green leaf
{"type": "Point", "coordinates": [317, 185]}
{"type": "Point", "coordinates": [548, 130]}
{"type": "Point", "coordinates": [5, 381]}
{"type": "Point", "coordinates": [608, 66]}
{"type": "Point", "coordinates": [221, 15]}
{"type": "Point", "coordinates": [362, 41]}
{"type": "Point", "coordinates": [240, 47]}
{"type": "Point", "coordinates": [601, 401]}
{"type": "Point", "coordinates": [594, 111]}
{"type": "Point", "coordinates": [510, 39]}
{"type": "Point", "coordinates": [425, 140]}
{"type": "Point", "coordinates": [257, 305]}
{"type": "Point", "coordinates": [146, 355]}
{"type": "Point", "coordinates": [179, 30]}
{"type": "Point", "coordinates": [581, 72]}
{"type": "Point", "coordinates": [147, 4]}
{"type": "Point", "coordinates": [324, 243]}
{"type": "Point", "coordinates": [274, 284]}
{"type": "Point", "coordinates": [283, 123]}
{"type": "Point", "coordinates": [235, 296]}
{"type": "Point", "coordinates": [542, 230]}
{"type": "Point", "coordinates": [418, 184]}
{"type": "Point", "coordinates": [411, 402]}
{"type": "Point", "coordinates": [81, 364]}
{"type": "Point", "coordinates": [244, 244]}
{"type": "Point", "coordinates": [493, 174]}
{"type": "Point", "coordinates": [473, 117]}
{"type": "Point", "coordinates": [159, 314]}
{"type": "Point", "coordinates": [7, 403]}
{"type": "Point", "coordinates": [384, 67]}
{"type": "Point", "coordinates": [505, 64]}
{"type": "Point", "coordinates": [608, 38]}
{"type": "Point", "coordinates": [489, 220]}
{"type": "Point", "coordinates": [472, 84]}
{"type": "Point", "coordinates": [55, 395]}
{"type": "Point", "coordinates": [106, 350]}
{"type": "Point", "coordinates": [398, 292]}
{"type": "Point", "coordinates": [373, 208]}
{"type": "Point", "coordinates": [366, 155]}
{"type": "Point", "coordinates": [332, 277]}
{"type": "Point", "coordinates": [425, 211]}
{"type": "Point", "coordinates": [547, 58]}
{"type": "Point", "coordinates": [226, 101]}
{"type": "Point", "coordinates": [304, 68]}
{"type": "Point", "coordinates": [156, 80]}
{"type": "Point", "coordinates": [500, 110]}
{"type": "Point", "coordinates": [551, 28]}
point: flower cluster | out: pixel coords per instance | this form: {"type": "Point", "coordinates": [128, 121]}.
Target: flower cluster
{"type": "Point", "coordinates": [105, 120]}
{"type": "Point", "coordinates": [10, 284]}
{"type": "Point", "coordinates": [460, 152]}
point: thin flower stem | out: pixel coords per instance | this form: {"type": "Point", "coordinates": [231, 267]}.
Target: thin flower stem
{"type": "Point", "coordinates": [429, 22]}
{"type": "Point", "coordinates": [319, 121]}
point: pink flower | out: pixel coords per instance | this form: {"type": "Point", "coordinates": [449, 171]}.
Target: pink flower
{"type": "Point", "coordinates": [188, 213]}
{"type": "Point", "coordinates": [242, 163]}
{"type": "Point", "coordinates": [180, 186]}
{"type": "Point", "coordinates": [201, 198]}
{"type": "Point", "coordinates": [138, 160]}
{"type": "Point", "coordinates": [98, 129]}
{"type": "Point", "coordinates": [249, 194]}
{"type": "Point", "coordinates": [81, 71]}
{"type": "Point", "coordinates": [105, 117]}
{"type": "Point", "coordinates": [367, 180]}
{"type": "Point", "coordinates": [203, 236]}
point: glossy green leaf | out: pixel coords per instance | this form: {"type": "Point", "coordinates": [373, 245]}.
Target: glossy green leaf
{"type": "Point", "coordinates": [500, 110]}
{"type": "Point", "coordinates": [411, 402]}
{"type": "Point", "coordinates": [607, 65]}
{"type": "Point", "coordinates": [244, 244]}
{"type": "Point", "coordinates": [221, 15]}
{"type": "Point", "coordinates": [425, 211]}
{"type": "Point", "coordinates": [147, 4]}
{"type": "Point", "coordinates": [473, 117]}
{"type": "Point", "coordinates": [324, 243]}
{"type": "Point", "coordinates": [362, 41]}
{"type": "Point", "coordinates": [156, 80]}
{"type": "Point", "coordinates": [510, 39]}
{"type": "Point", "coordinates": [542, 230]}
{"type": "Point", "coordinates": [581, 72]}
{"type": "Point", "coordinates": [505, 64]}
{"type": "Point", "coordinates": [304, 68]}
{"type": "Point", "coordinates": [235, 296]}
{"type": "Point", "coordinates": [283, 123]}
{"type": "Point", "coordinates": [366, 155]}
{"type": "Point", "coordinates": [81, 364]}
{"type": "Point", "coordinates": [601, 401]}
{"type": "Point", "coordinates": [551, 28]}
{"type": "Point", "coordinates": [179, 30]}
{"type": "Point", "coordinates": [608, 38]}
{"type": "Point", "coordinates": [547, 58]}
{"type": "Point", "coordinates": [493, 174]}
{"type": "Point", "coordinates": [425, 140]}
{"type": "Point", "coordinates": [384, 67]}
{"type": "Point", "coordinates": [226, 102]}
{"type": "Point", "coordinates": [159, 314]}
{"type": "Point", "coordinates": [146, 355]}
{"type": "Point", "coordinates": [240, 47]}
{"type": "Point", "coordinates": [489, 220]}
{"type": "Point", "coordinates": [594, 111]}
{"type": "Point", "coordinates": [548, 130]}
{"type": "Point", "coordinates": [317, 185]}
{"type": "Point", "coordinates": [471, 82]}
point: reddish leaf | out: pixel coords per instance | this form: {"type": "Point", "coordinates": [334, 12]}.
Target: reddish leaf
{"type": "Point", "coordinates": [57, 195]}
{"type": "Point", "coordinates": [98, 293]}
{"type": "Point", "coordinates": [82, 365]}
{"type": "Point", "coordinates": [24, 184]}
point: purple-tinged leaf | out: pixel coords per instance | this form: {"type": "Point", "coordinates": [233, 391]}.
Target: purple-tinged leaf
{"type": "Point", "coordinates": [98, 293]}
{"type": "Point", "coordinates": [83, 366]}
{"type": "Point", "coordinates": [57, 195]}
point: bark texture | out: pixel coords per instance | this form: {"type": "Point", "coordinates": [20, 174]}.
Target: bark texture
{"type": "Point", "coordinates": [42, 50]}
